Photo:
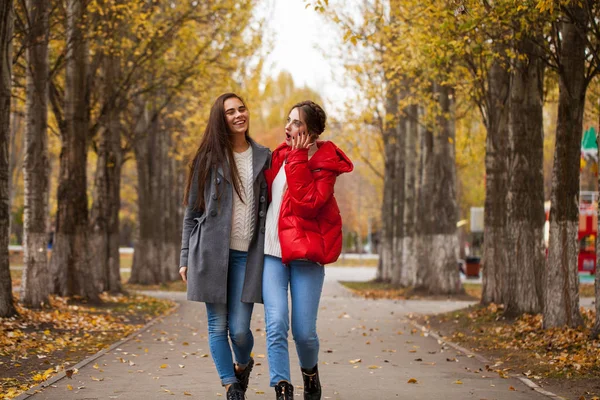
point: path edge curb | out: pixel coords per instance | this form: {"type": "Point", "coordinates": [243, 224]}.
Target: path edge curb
{"type": "Point", "coordinates": [526, 381]}
{"type": "Point", "coordinates": [35, 389]}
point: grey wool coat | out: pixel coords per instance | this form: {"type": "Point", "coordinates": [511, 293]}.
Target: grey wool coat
{"type": "Point", "coordinates": [206, 233]}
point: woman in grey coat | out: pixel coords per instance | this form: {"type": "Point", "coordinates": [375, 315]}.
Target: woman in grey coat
{"type": "Point", "coordinates": [222, 246]}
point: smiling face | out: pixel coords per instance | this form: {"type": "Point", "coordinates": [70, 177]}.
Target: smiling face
{"type": "Point", "coordinates": [236, 115]}
{"type": "Point", "coordinates": [294, 125]}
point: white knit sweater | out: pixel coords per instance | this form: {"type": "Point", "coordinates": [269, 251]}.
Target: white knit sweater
{"type": "Point", "coordinates": [242, 221]}
{"type": "Point", "coordinates": [272, 245]}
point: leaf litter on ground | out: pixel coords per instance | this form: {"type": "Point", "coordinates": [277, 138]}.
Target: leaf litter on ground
{"type": "Point", "coordinates": [37, 344]}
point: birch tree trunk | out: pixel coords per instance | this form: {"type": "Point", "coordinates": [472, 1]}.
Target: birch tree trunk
{"type": "Point", "coordinates": [70, 263]}
{"type": "Point", "coordinates": [526, 217]}
{"type": "Point", "coordinates": [104, 232]}
{"type": "Point", "coordinates": [561, 305]}
{"type": "Point", "coordinates": [495, 251]}
{"type": "Point", "coordinates": [35, 284]}
{"type": "Point", "coordinates": [439, 239]}
{"type": "Point", "coordinates": [408, 277]}
{"type": "Point", "coordinates": [7, 307]}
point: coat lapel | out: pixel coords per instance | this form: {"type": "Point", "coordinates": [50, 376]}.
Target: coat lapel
{"type": "Point", "coordinates": [260, 155]}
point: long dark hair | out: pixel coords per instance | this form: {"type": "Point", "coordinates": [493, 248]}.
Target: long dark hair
{"type": "Point", "coordinates": [215, 150]}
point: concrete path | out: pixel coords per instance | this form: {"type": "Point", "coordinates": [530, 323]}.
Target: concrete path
{"type": "Point", "coordinates": [368, 351]}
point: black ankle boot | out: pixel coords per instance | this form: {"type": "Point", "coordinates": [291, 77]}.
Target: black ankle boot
{"type": "Point", "coordinates": [284, 391]}
{"type": "Point", "coordinates": [312, 384]}
{"type": "Point", "coordinates": [235, 392]}
{"type": "Point", "coordinates": [244, 376]}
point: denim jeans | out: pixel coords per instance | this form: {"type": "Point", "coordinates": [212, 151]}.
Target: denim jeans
{"type": "Point", "coordinates": [231, 320]}
{"type": "Point", "coordinates": [305, 280]}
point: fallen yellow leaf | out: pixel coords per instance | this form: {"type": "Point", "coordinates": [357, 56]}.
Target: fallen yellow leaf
{"type": "Point", "coordinates": [69, 387]}
{"type": "Point", "coordinates": [412, 380]}
{"type": "Point", "coordinates": [457, 382]}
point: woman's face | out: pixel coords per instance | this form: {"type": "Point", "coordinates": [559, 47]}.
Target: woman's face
{"type": "Point", "coordinates": [237, 116]}
{"type": "Point", "coordinates": [294, 125]}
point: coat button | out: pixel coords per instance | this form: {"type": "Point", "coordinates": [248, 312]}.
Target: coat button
{"type": "Point", "coordinates": [218, 181]}
{"type": "Point", "coordinates": [214, 196]}
{"type": "Point", "coordinates": [262, 199]}
{"type": "Point", "coordinates": [213, 213]}
{"type": "Point", "coordinates": [261, 214]}
{"type": "Point", "coordinates": [262, 230]}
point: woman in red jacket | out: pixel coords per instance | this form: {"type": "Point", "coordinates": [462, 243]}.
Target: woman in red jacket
{"type": "Point", "coordinates": [303, 233]}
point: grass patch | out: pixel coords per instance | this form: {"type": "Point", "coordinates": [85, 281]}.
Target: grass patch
{"type": "Point", "coordinates": [551, 358]}
{"type": "Point", "coordinates": [175, 286]}
{"type": "Point", "coordinates": [383, 290]}
{"type": "Point", "coordinates": [353, 262]}
{"type": "Point", "coordinates": [37, 344]}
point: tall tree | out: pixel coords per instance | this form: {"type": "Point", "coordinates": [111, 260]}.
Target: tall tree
{"type": "Point", "coordinates": [7, 307]}
{"type": "Point", "coordinates": [525, 224]}
{"type": "Point", "coordinates": [35, 284]}
{"type": "Point", "coordinates": [561, 306]}
{"type": "Point", "coordinates": [439, 273]}
{"type": "Point", "coordinates": [104, 215]}
{"type": "Point", "coordinates": [408, 275]}
{"type": "Point", "coordinates": [70, 263]}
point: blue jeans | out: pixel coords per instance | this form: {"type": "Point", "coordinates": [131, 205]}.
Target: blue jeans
{"type": "Point", "coordinates": [231, 320]}
{"type": "Point", "coordinates": [305, 280]}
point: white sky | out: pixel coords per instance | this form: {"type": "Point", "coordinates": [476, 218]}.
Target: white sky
{"type": "Point", "coordinates": [298, 34]}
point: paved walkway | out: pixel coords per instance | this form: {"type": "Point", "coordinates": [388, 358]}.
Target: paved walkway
{"type": "Point", "coordinates": [368, 351]}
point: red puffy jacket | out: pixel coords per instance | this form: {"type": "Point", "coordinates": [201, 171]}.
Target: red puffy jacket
{"type": "Point", "coordinates": [310, 225]}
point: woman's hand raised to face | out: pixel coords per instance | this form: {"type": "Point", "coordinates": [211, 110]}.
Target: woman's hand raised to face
{"type": "Point", "coordinates": [302, 141]}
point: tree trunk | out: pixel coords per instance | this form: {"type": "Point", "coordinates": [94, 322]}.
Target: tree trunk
{"type": "Point", "coordinates": [408, 276]}
{"type": "Point", "coordinates": [526, 217]}
{"type": "Point", "coordinates": [398, 219]}
{"type": "Point", "coordinates": [495, 250]}
{"type": "Point", "coordinates": [439, 239]}
{"type": "Point", "coordinates": [70, 253]}
{"type": "Point", "coordinates": [386, 248]}
{"type": "Point", "coordinates": [104, 232]}
{"type": "Point", "coordinates": [7, 307]}
{"type": "Point", "coordinates": [561, 305]}
{"type": "Point", "coordinates": [35, 284]}
{"type": "Point", "coordinates": [147, 256]}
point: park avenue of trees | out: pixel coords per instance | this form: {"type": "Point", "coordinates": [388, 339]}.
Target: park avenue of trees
{"type": "Point", "coordinates": [110, 96]}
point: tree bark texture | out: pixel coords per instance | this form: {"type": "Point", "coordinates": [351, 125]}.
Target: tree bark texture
{"type": "Point", "coordinates": [439, 241]}
{"type": "Point", "coordinates": [408, 276]}
{"type": "Point", "coordinates": [35, 284]}
{"type": "Point", "coordinates": [495, 251]}
{"type": "Point", "coordinates": [398, 221]}
{"type": "Point", "coordinates": [561, 305]}
{"type": "Point", "coordinates": [526, 217]}
{"type": "Point", "coordinates": [104, 224]}
{"type": "Point", "coordinates": [387, 257]}
{"type": "Point", "coordinates": [156, 248]}
{"type": "Point", "coordinates": [7, 307]}
{"type": "Point", "coordinates": [70, 262]}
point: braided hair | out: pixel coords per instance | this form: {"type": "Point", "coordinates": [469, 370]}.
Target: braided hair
{"type": "Point", "coordinates": [314, 117]}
